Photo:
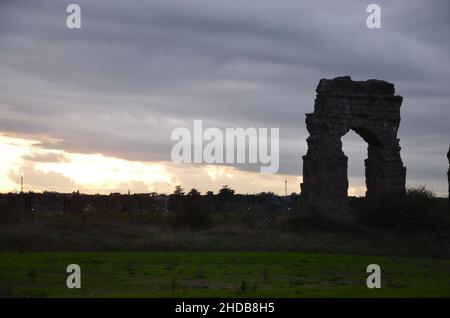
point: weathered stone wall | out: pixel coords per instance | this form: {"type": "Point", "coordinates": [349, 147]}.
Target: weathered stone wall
{"type": "Point", "coordinates": [371, 109]}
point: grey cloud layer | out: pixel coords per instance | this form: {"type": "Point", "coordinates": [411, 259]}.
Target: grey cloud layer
{"type": "Point", "coordinates": [137, 69]}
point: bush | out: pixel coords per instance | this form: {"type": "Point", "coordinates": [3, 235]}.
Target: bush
{"type": "Point", "coordinates": [414, 209]}
{"type": "Point", "coordinates": [191, 213]}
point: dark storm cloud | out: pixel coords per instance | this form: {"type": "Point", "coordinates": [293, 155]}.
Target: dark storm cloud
{"type": "Point", "coordinates": [138, 69]}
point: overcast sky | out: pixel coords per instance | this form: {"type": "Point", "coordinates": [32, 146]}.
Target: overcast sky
{"type": "Point", "coordinates": [137, 69]}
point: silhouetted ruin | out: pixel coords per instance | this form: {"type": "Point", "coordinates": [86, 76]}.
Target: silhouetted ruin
{"type": "Point", "coordinates": [369, 108]}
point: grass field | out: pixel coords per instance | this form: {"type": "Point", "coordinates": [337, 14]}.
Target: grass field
{"type": "Point", "coordinates": [222, 274]}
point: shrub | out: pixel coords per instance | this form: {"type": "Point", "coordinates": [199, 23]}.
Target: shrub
{"type": "Point", "coordinates": [414, 209]}
{"type": "Point", "coordinates": [191, 213]}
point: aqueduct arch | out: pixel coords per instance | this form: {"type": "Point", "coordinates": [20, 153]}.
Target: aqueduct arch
{"type": "Point", "coordinates": [371, 109]}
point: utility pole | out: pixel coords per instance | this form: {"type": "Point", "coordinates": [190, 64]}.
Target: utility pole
{"type": "Point", "coordinates": [285, 187]}
{"type": "Point", "coordinates": [448, 174]}
{"type": "Point", "coordinates": [22, 202]}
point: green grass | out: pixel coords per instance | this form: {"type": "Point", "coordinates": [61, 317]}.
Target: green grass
{"type": "Point", "coordinates": [222, 274]}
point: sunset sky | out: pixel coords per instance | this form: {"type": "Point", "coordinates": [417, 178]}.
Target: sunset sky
{"type": "Point", "coordinates": [93, 109]}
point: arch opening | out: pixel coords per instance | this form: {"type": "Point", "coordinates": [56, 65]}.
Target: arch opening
{"type": "Point", "coordinates": [355, 147]}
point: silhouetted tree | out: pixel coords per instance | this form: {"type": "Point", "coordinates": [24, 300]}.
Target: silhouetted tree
{"type": "Point", "coordinates": [191, 211]}
{"type": "Point", "coordinates": [179, 190]}
{"type": "Point", "coordinates": [225, 195]}
{"type": "Point", "coordinates": [194, 193]}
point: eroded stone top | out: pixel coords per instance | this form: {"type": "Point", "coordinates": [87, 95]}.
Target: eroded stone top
{"type": "Point", "coordinates": [345, 85]}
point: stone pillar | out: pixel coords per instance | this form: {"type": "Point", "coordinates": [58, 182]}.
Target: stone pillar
{"type": "Point", "coordinates": [372, 110]}
{"type": "Point", "coordinates": [324, 169]}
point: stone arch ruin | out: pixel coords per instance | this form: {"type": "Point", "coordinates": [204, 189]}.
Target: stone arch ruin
{"type": "Point", "coordinates": [371, 109]}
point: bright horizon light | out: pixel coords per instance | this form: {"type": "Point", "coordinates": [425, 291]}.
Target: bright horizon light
{"type": "Point", "coordinates": [57, 170]}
